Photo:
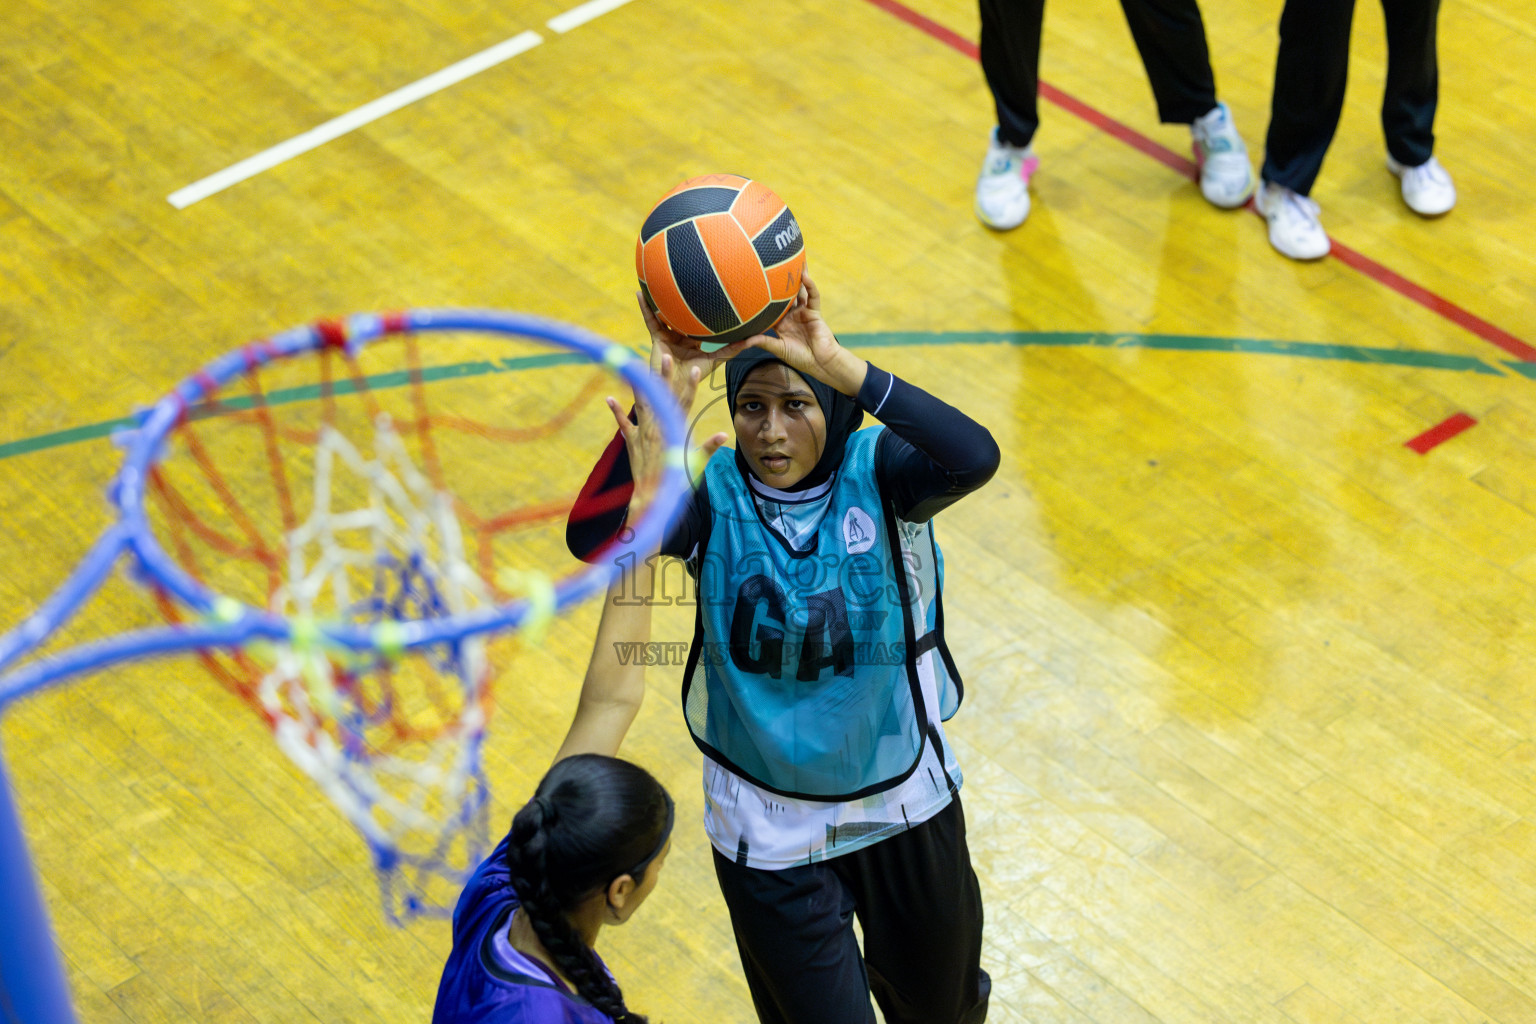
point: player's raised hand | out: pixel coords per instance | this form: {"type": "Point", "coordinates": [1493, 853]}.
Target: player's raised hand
{"type": "Point", "coordinates": [805, 343]}
{"type": "Point", "coordinates": [643, 438]}
{"type": "Point", "coordinates": [685, 351]}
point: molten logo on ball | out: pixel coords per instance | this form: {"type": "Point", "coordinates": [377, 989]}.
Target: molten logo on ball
{"type": "Point", "coordinates": [719, 259]}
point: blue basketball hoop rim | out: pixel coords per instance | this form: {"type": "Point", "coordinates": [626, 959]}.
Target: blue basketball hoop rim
{"type": "Point", "coordinates": [225, 623]}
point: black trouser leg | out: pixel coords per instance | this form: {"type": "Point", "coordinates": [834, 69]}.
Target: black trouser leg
{"type": "Point", "coordinates": [919, 904]}
{"type": "Point", "coordinates": [1413, 79]}
{"type": "Point", "coordinates": [920, 907]}
{"type": "Point", "coordinates": [1010, 60]}
{"type": "Point", "coordinates": [1310, 74]}
{"type": "Point", "coordinates": [1170, 35]}
{"type": "Point", "coordinates": [794, 932]}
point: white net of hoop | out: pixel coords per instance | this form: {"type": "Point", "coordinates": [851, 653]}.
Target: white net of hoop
{"type": "Point", "coordinates": [332, 713]}
{"type": "Point", "coordinates": [372, 492]}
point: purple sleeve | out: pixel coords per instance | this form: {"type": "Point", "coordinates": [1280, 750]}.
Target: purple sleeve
{"type": "Point", "coordinates": [489, 888]}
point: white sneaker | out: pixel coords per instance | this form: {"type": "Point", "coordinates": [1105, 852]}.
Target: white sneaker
{"type": "Point", "coordinates": [1002, 190]}
{"type": "Point", "coordinates": [1293, 225]}
{"type": "Point", "coordinates": [1427, 188]}
{"type": "Point", "coordinates": [1226, 177]}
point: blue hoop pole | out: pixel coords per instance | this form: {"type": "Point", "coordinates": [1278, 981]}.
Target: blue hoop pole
{"type": "Point", "coordinates": [32, 985]}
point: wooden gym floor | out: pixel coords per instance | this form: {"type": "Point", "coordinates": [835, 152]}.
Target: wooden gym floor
{"type": "Point", "coordinates": [1249, 731]}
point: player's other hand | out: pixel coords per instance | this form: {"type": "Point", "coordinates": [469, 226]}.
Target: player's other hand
{"type": "Point", "coordinates": [805, 343]}
{"type": "Point", "coordinates": [685, 352]}
{"type": "Point", "coordinates": [643, 440]}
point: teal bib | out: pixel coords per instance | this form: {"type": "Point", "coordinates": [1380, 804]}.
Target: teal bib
{"type": "Point", "coordinates": [812, 668]}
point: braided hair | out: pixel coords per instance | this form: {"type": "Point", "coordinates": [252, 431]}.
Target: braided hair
{"type": "Point", "coordinates": [592, 819]}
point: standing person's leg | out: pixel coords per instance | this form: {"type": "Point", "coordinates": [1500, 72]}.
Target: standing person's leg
{"type": "Point", "coordinates": [1170, 36]}
{"type": "Point", "coordinates": [1010, 59]}
{"type": "Point", "coordinates": [1311, 70]}
{"type": "Point", "coordinates": [920, 907]}
{"type": "Point", "coordinates": [1408, 105]}
{"type": "Point", "coordinates": [1413, 79]}
{"type": "Point", "coordinates": [794, 932]}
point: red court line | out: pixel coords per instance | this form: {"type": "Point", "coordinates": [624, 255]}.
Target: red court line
{"type": "Point", "coordinates": [1441, 433]}
{"type": "Point", "coordinates": [1435, 303]}
{"type": "Point", "coordinates": [1162, 154]}
{"type": "Point", "coordinates": [1102, 121]}
{"type": "Point", "coordinates": [949, 37]}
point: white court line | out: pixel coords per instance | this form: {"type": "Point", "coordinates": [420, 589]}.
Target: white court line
{"type": "Point", "coordinates": [435, 82]}
{"type": "Point", "coordinates": [583, 14]}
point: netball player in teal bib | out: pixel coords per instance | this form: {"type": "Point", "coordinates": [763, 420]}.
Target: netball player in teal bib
{"type": "Point", "coordinates": [818, 680]}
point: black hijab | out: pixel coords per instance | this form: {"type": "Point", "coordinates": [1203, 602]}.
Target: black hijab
{"type": "Point", "coordinates": [842, 413]}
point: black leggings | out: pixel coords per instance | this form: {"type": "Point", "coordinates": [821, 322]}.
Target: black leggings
{"type": "Point", "coordinates": [919, 904]}
{"type": "Point", "coordinates": [1169, 34]}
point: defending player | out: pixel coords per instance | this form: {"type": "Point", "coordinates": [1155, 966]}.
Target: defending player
{"type": "Point", "coordinates": [819, 678]}
{"type": "Point", "coordinates": [585, 851]}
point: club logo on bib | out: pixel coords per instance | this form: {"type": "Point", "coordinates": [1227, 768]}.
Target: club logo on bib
{"type": "Point", "coordinates": [858, 531]}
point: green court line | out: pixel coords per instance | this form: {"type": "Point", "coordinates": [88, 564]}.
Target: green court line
{"type": "Point", "coordinates": [397, 379]}
{"type": "Point", "coordinates": [305, 393]}
{"type": "Point", "coordinates": [884, 339]}
{"type": "Point", "coordinates": [1192, 343]}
